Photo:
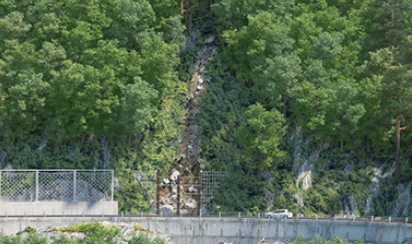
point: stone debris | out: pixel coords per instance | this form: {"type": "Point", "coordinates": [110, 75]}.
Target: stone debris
{"type": "Point", "coordinates": [188, 160]}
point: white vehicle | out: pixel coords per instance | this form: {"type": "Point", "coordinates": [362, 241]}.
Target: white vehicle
{"type": "Point", "coordinates": [279, 214]}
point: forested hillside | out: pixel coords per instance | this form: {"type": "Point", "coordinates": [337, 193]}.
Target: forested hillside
{"type": "Point", "coordinates": [308, 106]}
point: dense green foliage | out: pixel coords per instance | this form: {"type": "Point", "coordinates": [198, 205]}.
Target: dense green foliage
{"type": "Point", "coordinates": [93, 233]}
{"type": "Point", "coordinates": [320, 240]}
{"type": "Point", "coordinates": [76, 77]}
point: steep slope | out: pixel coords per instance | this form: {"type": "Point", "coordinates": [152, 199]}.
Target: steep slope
{"type": "Point", "coordinates": [187, 162]}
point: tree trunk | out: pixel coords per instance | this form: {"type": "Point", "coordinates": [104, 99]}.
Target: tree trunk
{"type": "Point", "coordinates": [341, 10]}
{"type": "Point", "coordinates": [129, 142]}
{"type": "Point", "coordinates": [342, 122]}
{"type": "Point", "coordinates": [182, 8]}
{"type": "Point", "coordinates": [398, 147]}
{"type": "Point", "coordinates": [189, 25]}
{"type": "Point", "coordinates": [112, 142]}
{"type": "Point", "coordinates": [368, 146]}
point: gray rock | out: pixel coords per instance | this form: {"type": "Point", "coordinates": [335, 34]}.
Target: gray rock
{"type": "Point", "coordinates": [190, 204]}
{"type": "Point", "coordinates": [174, 175]}
{"type": "Point", "coordinates": [209, 40]}
{"type": "Point", "coordinates": [192, 189]}
{"type": "Point", "coordinates": [269, 197]}
{"type": "Point", "coordinates": [349, 206]}
{"type": "Point", "coordinates": [348, 168]}
{"type": "Point", "coordinates": [138, 177]}
{"type": "Point", "coordinates": [402, 204]}
{"type": "Point", "coordinates": [328, 164]}
{"type": "Point", "coordinates": [167, 210]}
{"type": "Point", "coordinates": [267, 176]}
{"type": "Point", "coordinates": [298, 199]}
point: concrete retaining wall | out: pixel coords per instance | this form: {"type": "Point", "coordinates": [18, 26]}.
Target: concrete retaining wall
{"type": "Point", "coordinates": [58, 208]}
{"type": "Point", "coordinates": [233, 230]}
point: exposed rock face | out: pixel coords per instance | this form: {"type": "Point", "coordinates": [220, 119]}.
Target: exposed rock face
{"type": "Point", "coordinates": [348, 168]}
{"type": "Point", "coordinates": [349, 206]}
{"type": "Point", "coordinates": [269, 197]}
{"type": "Point", "coordinates": [403, 202]}
{"type": "Point", "coordinates": [298, 199]}
{"type": "Point", "coordinates": [379, 175]}
{"type": "Point", "coordinates": [305, 177]}
{"type": "Point", "coordinates": [267, 176]}
{"type": "Point", "coordinates": [188, 161]}
{"type": "Point", "coordinates": [303, 159]}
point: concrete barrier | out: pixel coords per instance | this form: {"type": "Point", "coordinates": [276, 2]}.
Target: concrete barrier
{"type": "Point", "coordinates": [235, 230]}
{"type": "Point", "coordinates": [58, 208]}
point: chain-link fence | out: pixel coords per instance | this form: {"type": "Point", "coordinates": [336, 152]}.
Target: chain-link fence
{"type": "Point", "coordinates": [56, 185]}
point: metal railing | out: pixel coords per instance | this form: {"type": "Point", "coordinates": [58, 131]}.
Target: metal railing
{"type": "Point", "coordinates": [56, 185]}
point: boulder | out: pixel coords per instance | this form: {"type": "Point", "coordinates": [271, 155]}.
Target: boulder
{"type": "Point", "coordinates": [167, 210]}
{"type": "Point", "coordinates": [192, 189]}
{"type": "Point", "coordinates": [190, 204]}
{"type": "Point", "coordinates": [174, 176]}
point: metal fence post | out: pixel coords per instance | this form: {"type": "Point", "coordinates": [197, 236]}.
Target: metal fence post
{"type": "Point", "coordinates": [178, 196]}
{"type": "Point", "coordinates": [112, 186]}
{"type": "Point", "coordinates": [37, 185]}
{"type": "Point", "coordinates": [199, 200]}
{"type": "Point", "coordinates": [74, 186]}
{"type": "Point", "coordinates": [157, 192]}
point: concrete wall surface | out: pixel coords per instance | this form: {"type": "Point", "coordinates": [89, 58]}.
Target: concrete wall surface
{"type": "Point", "coordinates": [235, 230]}
{"type": "Point", "coordinates": [58, 208]}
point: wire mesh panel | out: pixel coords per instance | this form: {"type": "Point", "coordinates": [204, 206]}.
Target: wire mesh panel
{"type": "Point", "coordinates": [18, 186]}
{"type": "Point", "coordinates": [56, 185]}
{"type": "Point", "coordinates": [183, 195]}
{"type": "Point", "coordinates": [211, 182]}
{"type": "Point", "coordinates": [93, 186]}
{"type": "Point", "coordinates": [147, 181]}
